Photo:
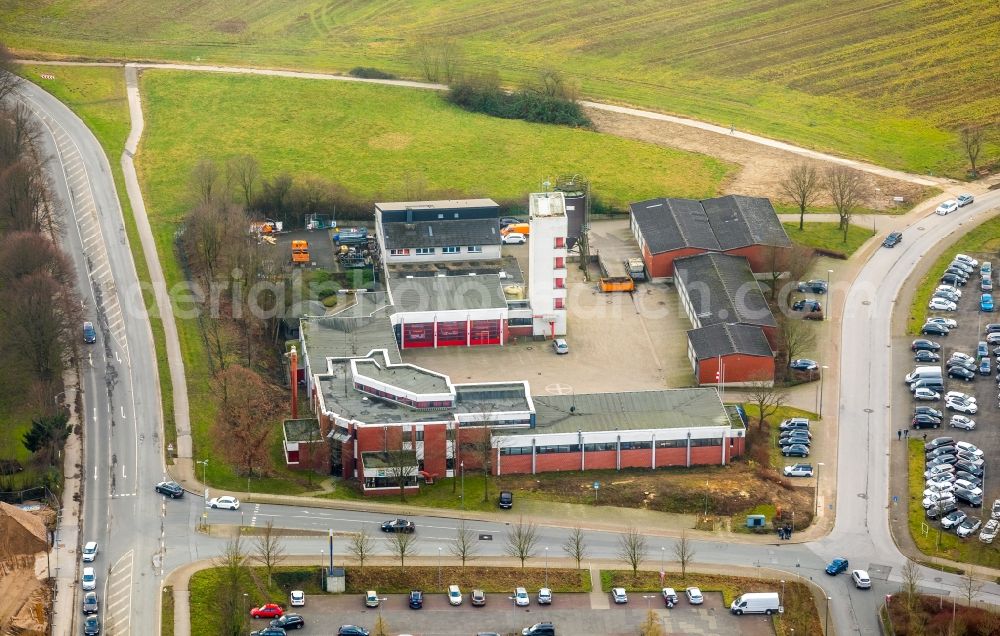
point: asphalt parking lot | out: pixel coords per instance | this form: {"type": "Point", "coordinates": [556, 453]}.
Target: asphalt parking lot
{"type": "Point", "coordinates": [570, 613]}
{"type": "Point", "coordinates": [964, 338]}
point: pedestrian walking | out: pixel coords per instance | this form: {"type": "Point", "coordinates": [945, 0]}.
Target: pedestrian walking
{"type": "Point", "coordinates": [925, 437]}
{"type": "Point", "coordinates": [899, 433]}
{"type": "Point", "coordinates": [731, 127]}
{"type": "Point", "coordinates": [906, 433]}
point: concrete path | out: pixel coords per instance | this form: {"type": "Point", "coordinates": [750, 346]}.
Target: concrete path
{"type": "Point", "coordinates": [178, 381]}
{"type": "Point", "coordinates": [63, 555]}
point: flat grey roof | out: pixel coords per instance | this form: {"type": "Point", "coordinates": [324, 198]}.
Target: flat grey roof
{"type": "Point", "coordinates": [725, 339]}
{"type": "Point", "coordinates": [507, 265]}
{"type": "Point", "coordinates": [441, 233]}
{"type": "Point", "coordinates": [354, 331]}
{"type": "Point", "coordinates": [405, 377]}
{"type": "Point", "coordinates": [722, 288]}
{"type": "Point", "coordinates": [303, 430]}
{"type": "Point", "coordinates": [447, 293]}
{"type": "Point", "coordinates": [450, 204]}
{"type": "Point", "coordinates": [673, 408]}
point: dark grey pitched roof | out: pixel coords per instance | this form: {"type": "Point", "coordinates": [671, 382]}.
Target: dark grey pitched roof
{"type": "Point", "coordinates": [718, 224]}
{"type": "Point", "coordinates": [441, 233]}
{"type": "Point", "coordinates": [721, 288]}
{"type": "Point", "coordinates": [725, 339]}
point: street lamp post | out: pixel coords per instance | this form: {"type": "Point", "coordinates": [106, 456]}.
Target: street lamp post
{"type": "Point", "coordinates": [782, 591]}
{"type": "Point", "coordinates": [816, 492]}
{"type": "Point", "coordinates": [826, 628]}
{"type": "Point", "coordinates": [826, 316]}
{"type": "Point", "coordinates": [461, 469]}
{"type": "Point", "coordinates": [204, 472]}
{"type": "Point", "coordinates": [440, 581]}
{"type": "Point", "coordinates": [822, 372]}
{"type": "Point", "coordinates": [546, 566]}
{"type": "Point", "coordinates": [663, 551]}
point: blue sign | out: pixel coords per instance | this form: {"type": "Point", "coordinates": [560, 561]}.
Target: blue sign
{"type": "Point", "coordinates": [597, 485]}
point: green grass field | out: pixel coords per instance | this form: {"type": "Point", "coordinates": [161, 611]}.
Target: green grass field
{"type": "Point", "coordinates": [888, 82]}
{"type": "Point", "coordinates": [979, 241]}
{"type": "Point", "coordinates": [827, 236]}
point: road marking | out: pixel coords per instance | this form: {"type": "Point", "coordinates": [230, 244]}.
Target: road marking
{"type": "Point", "coordinates": [122, 406]}
{"type": "Point", "coordinates": [95, 473]}
{"type": "Point", "coordinates": [123, 471]}
{"type": "Point", "coordinates": [118, 596]}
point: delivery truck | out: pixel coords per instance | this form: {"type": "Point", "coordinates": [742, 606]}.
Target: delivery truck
{"type": "Point", "coordinates": [756, 603]}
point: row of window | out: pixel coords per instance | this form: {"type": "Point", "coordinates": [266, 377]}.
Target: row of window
{"type": "Point", "coordinates": [609, 446]}
{"type": "Point", "coordinates": [426, 404]}
{"type": "Point", "coordinates": [428, 251]}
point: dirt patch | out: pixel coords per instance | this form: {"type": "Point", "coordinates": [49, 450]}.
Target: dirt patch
{"type": "Point", "coordinates": [761, 168]}
{"type": "Point", "coordinates": [390, 141]}
{"type": "Point", "coordinates": [230, 26]}
{"type": "Point", "coordinates": [21, 533]}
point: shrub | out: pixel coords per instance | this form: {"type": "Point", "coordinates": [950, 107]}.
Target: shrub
{"type": "Point", "coordinates": [367, 72]}
{"type": "Point", "coordinates": [483, 94]}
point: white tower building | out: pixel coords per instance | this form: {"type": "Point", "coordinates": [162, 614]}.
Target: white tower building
{"type": "Point", "coordinates": [547, 263]}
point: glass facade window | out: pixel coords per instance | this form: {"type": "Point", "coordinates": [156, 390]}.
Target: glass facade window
{"type": "Point", "coordinates": [711, 441]}
{"type": "Point", "coordinates": [516, 450]}
{"type": "Point", "coordinates": [600, 446]}
{"type": "Point", "coordinates": [559, 448]}
{"type": "Point", "coordinates": [424, 251]}
{"type": "Point", "coordinates": [474, 249]}
{"type": "Point", "coordinates": [671, 443]}
{"type": "Point", "coordinates": [637, 445]}
{"type": "Point", "coordinates": [451, 249]}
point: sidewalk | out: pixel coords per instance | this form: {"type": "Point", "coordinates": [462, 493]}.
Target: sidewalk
{"type": "Point", "coordinates": [63, 555]}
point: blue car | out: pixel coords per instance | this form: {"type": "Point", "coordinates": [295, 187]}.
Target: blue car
{"type": "Point", "coordinates": [986, 302]}
{"type": "Point", "coordinates": [984, 366]}
{"type": "Point", "coordinates": [837, 566]}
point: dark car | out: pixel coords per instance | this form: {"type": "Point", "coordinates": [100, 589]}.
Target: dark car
{"type": "Point", "coordinates": [947, 507]}
{"type": "Point", "coordinates": [789, 441]}
{"type": "Point", "coordinates": [957, 273]}
{"type": "Point", "coordinates": [993, 327]}
{"type": "Point", "coordinates": [922, 344]}
{"type": "Point", "coordinates": [91, 626]}
{"type": "Point", "coordinates": [289, 621]}
{"type": "Point", "coordinates": [946, 458]}
{"type": "Point", "coordinates": [90, 603]}
{"type": "Point", "coordinates": [399, 525]}
{"type": "Point", "coordinates": [925, 421]}
{"type": "Point", "coordinates": [961, 362]}
{"type": "Point", "coordinates": [506, 499]}
{"type": "Point", "coordinates": [416, 599]}
{"type": "Point", "coordinates": [509, 220]}
{"type": "Point", "coordinates": [934, 329]}
{"type": "Point", "coordinates": [807, 305]}
{"type": "Point", "coordinates": [928, 410]}
{"type": "Point", "coordinates": [269, 631]}
{"type": "Point", "coordinates": [969, 468]}
{"type": "Point", "coordinates": [837, 566]}
{"type": "Point", "coordinates": [969, 477]}
{"type": "Point", "coordinates": [926, 356]}
{"type": "Point", "coordinates": [893, 239]}
{"type": "Point", "coordinates": [89, 333]}
{"type": "Point", "coordinates": [939, 441]}
{"type": "Point", "coordinates": [984, 367]}
{"type": "Point", "coordinates": [961, 373]}
{"type": "Point", "coordinates": [170, 488]}
{"type": "Point", "coordinates": [934, 384]}
{"type": "Point", "coordinates": [941, 450]}
{"type": "Point", "coordinates": [794, 422]}
{"type": "Point", "coordinates": [803, 364]}
{"type": "Point", "coordinates": [352, 630]}
{"type": "Point", "coordinates": [969, 497]}
{"type": "Point", "coordinates": [950, 279]}
{"type": "Point", "coordinates": [539, 629]}
{"type": "Point", "coordinates": [814, 286]}
{"type": "Point", "coordinates": [795, 450]}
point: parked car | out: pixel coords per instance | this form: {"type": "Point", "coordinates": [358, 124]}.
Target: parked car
{"type": "Point", "coordinates": [804, 364]}
{"type": "Point", "coordinates": [925, 421]}
{"type": "Point", "coordinates": [969, 447]}
{"type": "Point", "coordinates": [454, 595]}
{"type": "Point", "coordinates": [90, 604]}
{"type": "Point", "coordinates": [989, 531]}
{"type": "Point", "coordinates": [91, 626]}
{"type": "Point", "coordinates": [861, 579]}
{"type": "Point", "coordinates": [795, 450]}
{"type": "Point", "coordinates": [958, 395]}
{"type": "Point", "coordinates": [269, 631]}
{"type": "Point", "coordinates": [961, 406]}
{"type": "Point", "coordinates": [939, 451]}
{"type": "Point", "coordinates": [967, 260]}
{"type": "Point", "coordinates": [544, 596]}
{"type": "Point", "coordinates": [964, 357]}
{"type": "Point", "coordinates": [953, 519]}
{"type": "Point", "coordinates": [513, 238]}
{"type": "Point", "coordinates": [939, 441]}
{"type": "Point", "coordinates": [993, 327]}
{"type": "Point", "coordinates": [799, 470]}
{"type": "Point", "coordinates": [892, 239]}
{"type": "Point", "coordinates": [506, 499]}
{"type": "Point", "coordinates": [932, 500]}
{"type": "Point", "coordinates": [961, 373]}
{"type": "Point", "coordinates": [964, 200]}
{"type": "Point", "coordinates": [940, 304]}
{"type": "Point", "coordinates": [969, 477]}
{"type": "Point", "coordinates": [89, 333]}
{"type": "Point", "coordinates": [521, 598]}
{"type": "Point", "coordinates": [961, 274]}
{"type": "Point", "coordinates": [226, 503]}
{"type": "Point", "coordinates": [807, 305]}
{"type": "Point", "coordinates": [971, 365]}
{"type": "Point", "coordinates": [967, 467]}
{"type": "Point", "coordinates": [289, 621]}
{"type": "Point", "coordinates": [793, 422]}
{"type": "Point", "coordinates": [926, 394]}
{"type": "Point", "coordinates": [947, 207]}
{"type": "Point", "coordinates": [619, 595]}
{"type": "Point", "coordinates": [694, 596]}
{"type": "Point", "coordinates": [352, 630]}
{"type": "Point", "coordinates": [416, 599]}
{"type": "Point", "coordinates": [926, 356]}
{"type": "Point", "coordinates": [928, 410]}
{"type": "Point", "coordinates": [89, 551]}
{"type": "Point", "coordinates": [962, 422]}
{"type": "Point", "coordinates": [986, 285]}
{"type": "Point", "coordinates": [539, 629]}
{"type": "Point", "coordinates": [509, 220]}
{"type": "Point", "coordinates": [944, 508]}
{"type": "Point", "coordinates": [985, 367]}
{"type": "Point", "coordinates": [953, 280]}
{"type": "Point", "coordinates": [934, 471]}
{"type": "Point", "coordinates": [922, 344]}
{"type": "Point", "coordinates": [986, 302]}
{"type": "Point", "coordinates": [962, 265]}
{"type": "Point", "coordinates": [993, 339]}
{"type": "Point", "coordinates": [934, 329]}
{"type": "Point", "coordinates": [477, 598]}
{"type": "Point", "coordinates": [267, 610]}
{"type": "Point", "coordinates": [969, 527]}
{"type": "Point", "coordinates": [560, 346]}
{"type": "Point", "coordinates": [399, 525]}
{"type": "Point", "coordinates": [815, 286]}
{"type": "Point", "coordinates": [950, 323]}
{"type": "Point", "coordinates": [297, 598]}
{"type": "Point", "coordinates": [837, 566]}
{"type": "Point", "coordinates": [965, 484]}
{"type": "Point", "coordinates": [372, 599]}
{"type": "Point", "coordinates": [88, 581]}
{"type": "Point", "coordinates": [170, 488]}
{"type": "Point", "coordinates": [941, 459]}
{"type": "Point", "coordinates": [946, 294]}
{"type": "Point", "coordinates": [669, 596]}
{"type": "Point", "coordinates": [995, 510]}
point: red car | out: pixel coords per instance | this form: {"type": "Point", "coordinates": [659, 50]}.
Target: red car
{"type": "Point", "coordinates": [270, 610]}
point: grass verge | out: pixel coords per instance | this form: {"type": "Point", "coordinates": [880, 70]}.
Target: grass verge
{"type": "Point", "coordinates": [492, 580]}
{"type": "Point", "coordinates": [828, 238]}
{"type": "Point", "coordinates": [167, 611]}
{"type": "Point", "coordinates": [982, 240]}
{"type": "Point", "coordinates": [928, 535]}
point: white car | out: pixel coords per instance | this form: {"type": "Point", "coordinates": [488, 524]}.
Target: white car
{"type": "Point", "coordinates": [89, 551]}
{"type": "Point", "coordinates": [619, 595]}
{"type": "Point", "coordinates": [521, 598]}
{"type": "Point", "coordinates": [545, 596]}
{"type": "Point", "coordinates": [694, 596]}
{"type": "Point", "coordinates": [798, 470]}
{"type": "Point", "coordinates": [297, 598]}
{"type": "Point", "coordinates": [948, 289]}
{"type": "Point", "coordinates": [940, 304]}
{"type": "Point", "coordinates": [962, 406]}
{"type": "Point", "coordinates": [968, 485]}
{"type": "Point", "coordinates": [89, 580]}
{"type": "Point", "coordinates": [964, 357]}
{"type": "Point", "coordinates": [950, 323]}
{"type": "Point", "coordinates": [968, 260]}
{"type": "Point", "coordinates": [861, 579]}
{"type": "Point", "coordinates": [454, 595]}
{"type": "Point", "coordinates": [967, 447]}
{"type": "Point", "coordinates": [968, 527]}
{"type": "Point", "coordinates": [946, 478]}
{"type": "Point", "coordinates": [947, 207]}
{"type": "Point", "coordinates": [227, 503]}
{"type": "Point", "coordinates": [924, 393]}
{"type": "Point", "coordinates": [933, 500]}
{"type": "Point", "coordinates": [940, 469]}
{"type": "Point", "coordinates": [958, 395]}
{"type": "Point", "coordinates": [964, 200]}
{"type": "Point", "coordinates": [965, 423]}
{"type": "Point", "coordinates": [989, 531]}
{"type": "Point", "coordinates": [938, 489]}
{"type": "Point", "coordinates": [514, 238]}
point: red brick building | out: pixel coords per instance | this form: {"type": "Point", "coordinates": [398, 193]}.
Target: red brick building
{"type": "Point", "coordinates": [669, 229]}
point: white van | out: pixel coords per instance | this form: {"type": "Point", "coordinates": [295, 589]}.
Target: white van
{"type": "Point", "coordinates": [923, 373]}
{"type": "Point", "coordinates": [756, 603]}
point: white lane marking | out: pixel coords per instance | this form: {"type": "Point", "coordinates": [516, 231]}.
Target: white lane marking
{"type": "Point", "coordinates": [95, 413]}
{"type": "Point", "coordinates": [122, 406]}
{"type": "Point", "coordinates": [95, 473]}
{"type": "Point", "coordinates": [123, 471]}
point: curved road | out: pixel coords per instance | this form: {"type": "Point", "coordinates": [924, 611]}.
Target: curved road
{"type": "Point", "coordinates": [135, 527]}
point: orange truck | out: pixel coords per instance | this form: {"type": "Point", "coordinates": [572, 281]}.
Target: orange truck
{"type": "Point", "coordinates": [300, 252]}
{"type": "Point", "coordinates": [617, 284]}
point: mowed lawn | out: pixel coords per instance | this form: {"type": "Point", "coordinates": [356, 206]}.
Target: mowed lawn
{"type": "Point", "coordinates": [828, 236]}
{"type": "Point", "coordinates": [375, 139]}
{"type": "Point", "coordinates": [889, 82]}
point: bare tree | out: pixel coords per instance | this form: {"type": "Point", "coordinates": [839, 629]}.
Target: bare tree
{"type": "Point", "coordinates": [972, 141]}
{"type": "Point", "coordinates": [970, 585]}
{"type": "Point", "coordinates": [400, 467]}
{"type": "Point", "coordinates": [245, 174]}
{"type": "Point", "coordinates": [9, 79]}
{"type": "Point", "coordinates": [439, 59]}
{"type": "Point", "coordinates": [204, 182]}
{"type": "Point", "coordinates": [269, 549]}
{"type": "Point", "coordinates": [795, 337]}
{"type": "Point", "coordinates": [465, 546]}
{"type": "Point", "coordinates": [381, 627]}
{"type": "Point", "coordinates": [233, 577]}
{"type": "Point", "coordinates": [214, 233]}
{"type": "Point", "coordinates": [402, 544]}
{"type": "Point", "coordinates": [802, 186]}
{"type": "Point", "coordinates": [651, 626]}
{"type": "Point", "coordinates": [632, 548]}
{"type": "Point", "coordinates": [522, 541]}
{"type": "Point", "coordinates": [910, 586]}
{"type": "Point", "coordinates": [361, 546]}
{"type": "Point", "coordinates": [761, 392]}
{"type": "Point", "coordinates": [990, 622]}
{"type": "Point", "coordinates": [684, 553]}
{"type": "Point", "coordinates": [247, 406]}
{"type": "Point", "coordinates": [576, 546]}
{"type": "Point", "coordinates": [846, 188]}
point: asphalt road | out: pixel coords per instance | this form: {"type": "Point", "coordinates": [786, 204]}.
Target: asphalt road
{"type": "Point", "coordinates": [121, 413]}
{"type": "Point", "coordinates": [142, 536]}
